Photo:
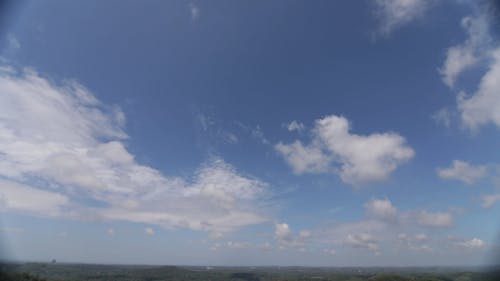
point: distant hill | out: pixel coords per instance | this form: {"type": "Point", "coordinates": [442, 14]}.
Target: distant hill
{"type": "Point", "coordinates": [96, 272]}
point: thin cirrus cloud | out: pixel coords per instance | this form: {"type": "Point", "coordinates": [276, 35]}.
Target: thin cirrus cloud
{"type": "Point", "coordinates": [356, 158]}
{"type": "Point", "coordinates": [60, 147]}
{"type": "Point", "coordinates": [463, 171]}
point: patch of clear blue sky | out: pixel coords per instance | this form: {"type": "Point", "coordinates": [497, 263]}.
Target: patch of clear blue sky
{"type": "Point", "coordinates": [260, 64]}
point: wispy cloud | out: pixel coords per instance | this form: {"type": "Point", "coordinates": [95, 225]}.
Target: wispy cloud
{"type": "Point", "coordinates": [59, 145]}
{"type": "Point", "coordinates": [13, 43]}
{"type": "Point", "coordinates": [442, 117]}
{"type": "Point", "coordinates": [295, 126]}
{"type": "Point", "coordinates": [394, 14]}
{"type": "Point", "coordinates": [490, 200]}
{"type": "Point", "coordinates": [194, 11]}
{"type": "Point", "coordinates": [463, 171]}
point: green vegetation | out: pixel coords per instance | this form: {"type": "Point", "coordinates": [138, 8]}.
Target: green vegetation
{"type": "Point", "coordinates": [86, 272]}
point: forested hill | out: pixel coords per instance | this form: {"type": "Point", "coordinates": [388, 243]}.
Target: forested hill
{"type": "Point", "coordinates": [89, 272]}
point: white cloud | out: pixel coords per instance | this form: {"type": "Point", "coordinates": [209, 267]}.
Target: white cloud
{"type": "Point", "coordinates": [462, 171]}
{"type": "Point", "coordinates": [474, 243]}
{"type": "Point", "coordinates": [194, 10]}
{"type": "Point", "coordinates": [363, 234]}
{"type": "Point", "coordinates": [282, 231]}
{"type": "Point", "coordinates": [362, 240]}
{"type": "Point", "coordinates": [286, 239]}
{"type": "Point", "coordinates": [381, 209]}
{"type": "Point", "coordinates": [461, 57]}
{"type": "Point", "coordinates": [59, 144]}
{"type": "Point", "coordinates": [483, 106]}
{"type": "Point", "coordinates": [22, 198]}
{"type": "Point", "coordinates": [149, 231]}
{"type": "Point", "coordinates": [414, 242]}
{"type": "Point", "coordinates": [304, 159]}
{"type": "Point", "coordinates": [480, 107]}
{"type": "Point", "coordinates": [295, 126]}
{"type": "Point", "coordinates": [379, 227]}
{"type": "Point", "coordinates": [362, 159]}
{"type": "Point", "coordinates": [490, 200]}
{"type": "Point", "coordinates": [466, 244]}
{"type": "Point", "coordinates": [437, 219]}
{"type": "Point", "coordinates": [394, 14]}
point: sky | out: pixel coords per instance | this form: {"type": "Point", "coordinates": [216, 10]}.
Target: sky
{"type": "Point", "coordinates": [312, 133]}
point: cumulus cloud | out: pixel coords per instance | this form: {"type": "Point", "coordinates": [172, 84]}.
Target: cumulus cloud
{"type": "Point", "coordinates": [364, 235]}
{"type": "Point", "coordinates": [381, 209]}
{"type": "Point", "coordinates": [463, 171]}
{"type": "Point", "coordinates": [414, 242]}
{"type": "Point", "coordinates": [356, 158]}
{"type": "Point", "coordinates": [482, 107]}
{"type": "Point", "coordinates": [60, 145]}
{"type": "Point", "coordinates": [286, 239]}
{"type": "Point", "coordinates": [474, 243]}
{"type": "Point", "coordinates": [381, 225]}
{"type": "Point", "coordinates": [304, 159]}
{"type": "Point", "coordinates": [466, 244]}
{"type": "Point", "coordinates": [282, 231]}
{"type": "Point", "coordinates": [464, 56]}
{"type": "Point", "coordinates": [362, 240]}
{"type": "Point", "coordinates": [394, 14]}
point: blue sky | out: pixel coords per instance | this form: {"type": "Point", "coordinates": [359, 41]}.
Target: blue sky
{"type": "Point", "coordinates": [250, 133]}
